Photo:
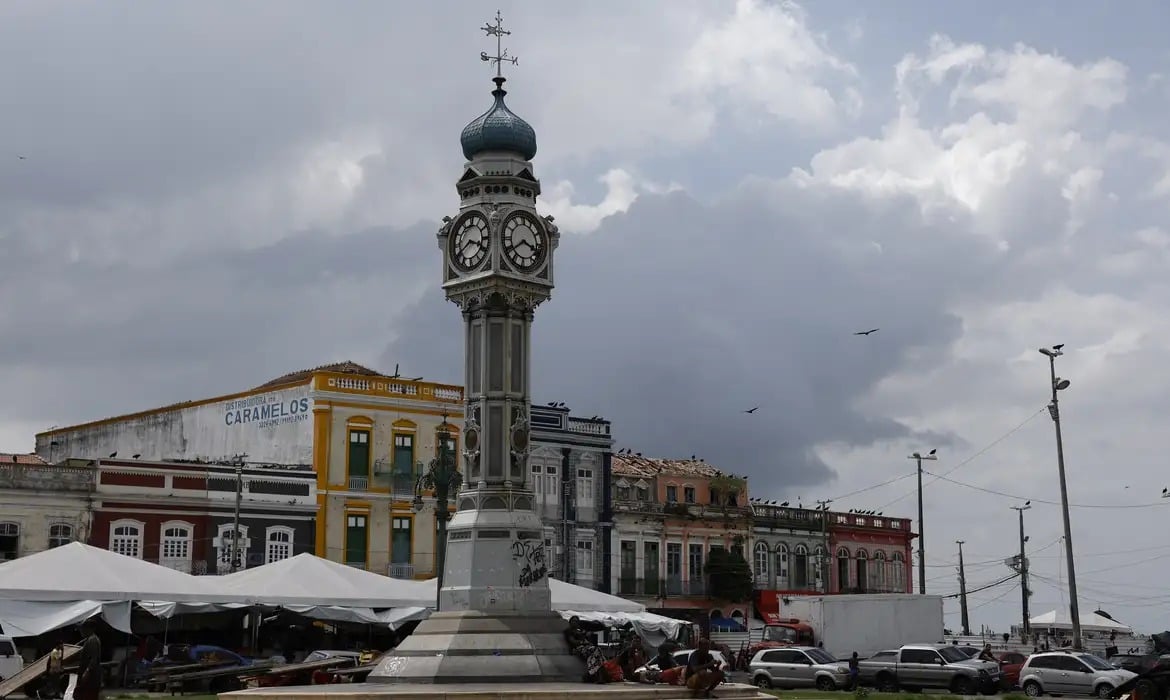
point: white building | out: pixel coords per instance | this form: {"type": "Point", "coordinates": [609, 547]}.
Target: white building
{"type": "Point", "coordinates": [42, 505]}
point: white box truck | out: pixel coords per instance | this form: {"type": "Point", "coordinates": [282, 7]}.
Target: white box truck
{"type": "Point", "coordinates": [866, 623]}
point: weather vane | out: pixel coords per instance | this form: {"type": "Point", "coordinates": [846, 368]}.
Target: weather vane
{"type": "Point", "coordinates": [497, 30]}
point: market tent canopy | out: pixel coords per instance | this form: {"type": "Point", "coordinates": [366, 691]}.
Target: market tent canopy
{"type": "Point", "coordinates": [77, 572]}
{"type": "Point", "coordinates": [307, 580]}
{"type": "Point", "coordinates": [565, 596]}
{"type": "Point", "coordinates": [1091, 622]}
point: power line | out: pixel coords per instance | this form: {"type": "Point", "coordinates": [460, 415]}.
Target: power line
{"type": "Point", "coordinates": [993, 584]}
{"type": "Point", "coordinates": [871, 488]}
{"type": "Point", "coordinates": [1156, 504]}
{"type": "Point", "coordinates": [975, 456]}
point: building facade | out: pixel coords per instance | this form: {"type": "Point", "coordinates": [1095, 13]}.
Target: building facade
{"type": "Point", "coordinates": [41, 505]}
{"type": "Point", "coordinates": [569, 473]}
{"type": "Point", "coordinates": [870, 553]}
{"type": "Point", "coordinates": [789, 554]}
{"type": "Point", "coordinates": [182, 515]}
{"type": "Point", "coordinates": [365, 436]}
{"type": "Point", "coordinates": [668, 515]}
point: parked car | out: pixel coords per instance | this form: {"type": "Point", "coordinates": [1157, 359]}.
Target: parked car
{"type": "Point", "coordinates": [1070, 673]}
{"type": "Point", "coordinates": [1010, 662]}
{"type": "Point", "coordinates": [798, 667]}
{"type": "Point", "coordinates": [10, 661]}
{"type": "Point", "coordinates": [919, 666]}
{"type": "Point", "coordinates": [681, 657]}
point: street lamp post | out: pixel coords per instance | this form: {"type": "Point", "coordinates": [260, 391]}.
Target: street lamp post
{"type": "Point", "coordinates": [1058, 385]}
{"type": "Point", "coordinates": [1025, 626]}
{"type": "Point", "coordinates": [442, 477]}
{"type": "Point", "coordinates": [918, 457]}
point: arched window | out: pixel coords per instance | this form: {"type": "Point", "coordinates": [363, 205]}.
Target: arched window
{"type": "Point", "coordinates": [226, 551]}
{"type": "Point", "coordinates": [843, 578]}
{"type": "Point", "coordinates": [782, 566]}
{"type": "Point", "coordinates": [799, 572]}
{"type": "Point", "coordinates": [278, 543]}
{"type": "Point", "coordinates": [126, 538]}
{"type": "Point", "coordinates": [880, 577]}
{"type": "Point", "coordinates": [863, 571]}
{"type": "Point", "coordinates": [761, 565]}
{"type": "Point", "coordinates": [60, 534]}
{"type": "Point", "coordinates": [9, 541]}
{"type": "Point", "coordinates": [898, 572]}
{"type": "Point", "coordinates": [175, 546]}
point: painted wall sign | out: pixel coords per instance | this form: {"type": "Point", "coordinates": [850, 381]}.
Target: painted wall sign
{"type": "Point", "coordinates": [266, 411]}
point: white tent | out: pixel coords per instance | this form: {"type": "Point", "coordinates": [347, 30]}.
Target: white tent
{"type": "Point", "coordinates": [307, 580]}
{"type": "Point", "coordinates": [1062, 620]}
{"type": "Point", "coordinates": [565, 596]}
{"type": "Point", "coordinates": [77, 571]}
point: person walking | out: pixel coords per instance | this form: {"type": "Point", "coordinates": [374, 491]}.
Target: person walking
{"type": "Point", "coordinates": [89, 664]}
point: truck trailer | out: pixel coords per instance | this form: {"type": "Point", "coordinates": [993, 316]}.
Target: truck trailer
{"type": "Point", "coordinates": [863, 623]}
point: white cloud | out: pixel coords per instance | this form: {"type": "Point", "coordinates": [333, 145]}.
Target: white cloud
{"type": "Point", "coordinates": [621, 190]}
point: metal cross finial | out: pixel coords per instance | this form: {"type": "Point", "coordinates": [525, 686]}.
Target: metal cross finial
{"type": "Point", "coordinates": [497, 30]}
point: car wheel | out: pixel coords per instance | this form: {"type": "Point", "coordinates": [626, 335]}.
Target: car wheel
{"type": "Point", "coordinates": [963, 686]}
{"type": "Point", "coordinates": [1104, 690]}
{"type": "Point", "coordinates": [886, 683]}
{"type": "Point", "coordinates": [826, 683]}
{"type": "Point", "coordinates": [763, 682]}
{"type": "Point", "coordinates": [1032, 689]}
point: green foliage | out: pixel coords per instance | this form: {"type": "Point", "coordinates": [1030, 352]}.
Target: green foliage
{"type": "Point", "coordinates": [729, 576]}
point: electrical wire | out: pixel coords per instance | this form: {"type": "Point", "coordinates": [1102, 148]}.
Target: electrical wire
{"type": "Point", "coordinates": [871, 488]}
{"type": "Point", "coordinates": [997, 598]}
{"type": "Point", "coordinates": [993, 584]}
{"type": "Point", "coordinates": [1156, 504]}
{"type": "Point", "coordinates": [975, 456]}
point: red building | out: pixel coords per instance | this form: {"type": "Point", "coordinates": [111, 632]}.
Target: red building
{"type": "Point", "coordinates": [182, 514]}
{"type": "Point", "coordinates": [870, 554]}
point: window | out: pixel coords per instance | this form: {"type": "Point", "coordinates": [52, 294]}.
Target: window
{"type": "Point", "coordinates": [401, 541]}
{"type": "Point", "coordinates": [842, 569]}
{"type": "Point", "coordinates": [9, 541]}
{"type": "Point", "coordinates": [126, 538]}
{"type": "Point", "coordinates": [403, 454]}
{"type": "Point", "coordinates": [732, 498]}
{"type": "Point", "coordinates": [537, 481]}
{"type": "Point", "coordinates": [672, 494]}
{"type": "Point", "coordinates": [781, 566]}
{"type": "Point", "coordinates": [278, 543]}
{"type": "Point", "coordinates": [229, 551]}
{"type": "Point", "coordinates": [175, 546]}
{"type": "Point", "coordinates": [800, 567]}
{"type": "Point", "coordinates": [585, 559]}
{"type": "Point", "coordinates": [898, 572]}
{"type": "Point", "coordinates": [623, 493]}
{"type": "Point", "coordinates": [650, 567]}
{"type": "Point", "coordinates": [550, 482]}
{"type": "Point", "coordinates": [60, 534]}
{"type": "Point", "coordinates": [359, 459]}
{"type": "Point", "coordinates": [584, 485]}
{"type": "Point", "coordinates": [880, 579]}
{"type": "Point", "coordinates": [862, 570]}
{"type": "Point", "coordinates": [642, 493]}
{"type": "Point", "coordinates": [760, 570]}
{"type": "Point", "coordinates": [356, 541]}
{"type": "Point", "coordinates": [695, 562]}
{"type": "Point", "coordinates": [714, 497]}
{"type": "Point", "coordinates": [920, 656]}
{"type": "Point", "coordinates": [689, 494]}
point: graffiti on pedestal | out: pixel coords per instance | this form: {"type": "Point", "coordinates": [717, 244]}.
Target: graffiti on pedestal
{"type": "Point", "coordinates": [530, 555]}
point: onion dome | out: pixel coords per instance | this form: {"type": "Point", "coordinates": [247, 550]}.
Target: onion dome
{"type": "Point", "coordinates": [498, 129]}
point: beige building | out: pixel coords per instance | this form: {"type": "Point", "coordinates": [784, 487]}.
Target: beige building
{"type": "Point", "coordinates": [42, 505]}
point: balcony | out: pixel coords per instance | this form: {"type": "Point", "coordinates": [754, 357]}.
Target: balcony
{"type": "Point", "coordinates": [660, 587]}
{"type": "Point", "coordinates": [403, 485]}
{"type": "Point", "coordinates": [359, 483]}
{"type": "Point", "coordinates": [410, 566]}
{"type": "Point", "coordinates": [405, 571]}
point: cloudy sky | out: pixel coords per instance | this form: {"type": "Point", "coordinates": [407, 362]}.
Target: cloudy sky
{"type": "Point", "coordinates": [197, 197]}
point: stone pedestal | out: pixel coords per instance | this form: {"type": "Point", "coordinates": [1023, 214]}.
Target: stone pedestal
{"type": "Point", "coordinates": [493, 691]}
{"type": "Point", "coordinates": [477, 647]}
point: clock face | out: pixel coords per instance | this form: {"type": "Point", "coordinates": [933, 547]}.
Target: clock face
{"type": "Point", "coordinates": [469, 244]}
{"type": "Point", "coordinates": [524, 242]}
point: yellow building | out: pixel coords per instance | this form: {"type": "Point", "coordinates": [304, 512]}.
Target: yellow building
{"type": "Point", "coordinates": [363, 433]}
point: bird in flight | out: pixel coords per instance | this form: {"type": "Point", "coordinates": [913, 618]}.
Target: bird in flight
{"type": "Point", "coordinates": [21, 158]}
{"type": "Point", "coordinates": [752, 410]}
{"type": "Point", "coordinates": [871, 330]}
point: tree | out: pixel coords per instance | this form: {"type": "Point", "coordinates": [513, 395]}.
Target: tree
{"type": "Point", "coordinates": [729, 576]}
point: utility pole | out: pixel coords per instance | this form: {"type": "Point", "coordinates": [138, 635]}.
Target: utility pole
{"type": "Point", "coordinates": [1025, 626]}
{"type": "Point", "coordinates": [963, 591]}
{"type": "Point", "coordinates": [235, 563]}
{"type": "Point", "coordinates": [823, 506]}
{"type": "Point", "coordinates": [1059, 384]}
{"type": "Point", "coordinates": [921, 527]}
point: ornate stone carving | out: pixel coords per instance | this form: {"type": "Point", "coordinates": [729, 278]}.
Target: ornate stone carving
{"type": "Point", "coordinates": [521, 441]}
{"type": "Point", "coordinates": [471, 442]}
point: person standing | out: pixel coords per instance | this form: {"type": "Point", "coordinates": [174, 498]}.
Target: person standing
{"type": "Point", "coordinates": [89, 665]}
{"type": "Point", "coordinates": [854, 671]}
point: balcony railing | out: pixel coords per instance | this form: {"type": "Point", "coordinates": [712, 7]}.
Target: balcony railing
{"type": "Point", "coordinates": [359, 483]}
{"type": "Point", "coordinates": [403, 484]}
{"type": "Point", "coordinates": [358, 565]}
{"type": "Point", "coordinates": [660, 587]}
{"type": "Point", "coordinates": [401, 571]}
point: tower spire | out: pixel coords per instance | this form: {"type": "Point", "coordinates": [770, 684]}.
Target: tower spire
{"type": "Point", "coordinates": [501, 57]}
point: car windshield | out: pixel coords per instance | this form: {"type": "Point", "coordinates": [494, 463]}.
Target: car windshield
{"type": "Point", "coordinates": [953, 654]}
{"type": "Point", "coordinates": [774, 633]}
{"type": "Point", "coordinates": [820, 656]}
{"type": "Point", "coordinates": [1095, 663]}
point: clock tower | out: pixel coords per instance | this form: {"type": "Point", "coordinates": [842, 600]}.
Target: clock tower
{"type": "Point", "coordinates": [495, 620]}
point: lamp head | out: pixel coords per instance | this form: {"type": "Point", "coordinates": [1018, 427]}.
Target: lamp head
{"type": "Point", "coordinates": [915, 456]}
{"type": "Point", "coordinates": [1061, 384]}
{"type": "Point", "coordinates": [417, 504]}
{"type": "Point", "coordinates": [1053, 352]}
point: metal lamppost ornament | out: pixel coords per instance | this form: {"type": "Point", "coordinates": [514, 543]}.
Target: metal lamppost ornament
{"type": "Point", "coordinates": [441, 476]}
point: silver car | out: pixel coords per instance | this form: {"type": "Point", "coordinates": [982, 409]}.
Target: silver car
{"type": "Point", "coordinates": [1070, 673]}
{"type": "Point", "coordinates": [798, 667]}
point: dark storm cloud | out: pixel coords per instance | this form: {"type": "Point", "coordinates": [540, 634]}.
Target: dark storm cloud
{"type": "Point", "coordinates": [672, 319]}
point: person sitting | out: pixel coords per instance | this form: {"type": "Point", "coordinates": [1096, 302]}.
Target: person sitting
{"type": "Point", "coordinates": [986, 654]}
{"type": "Point", "coordinates": [703, 672]}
